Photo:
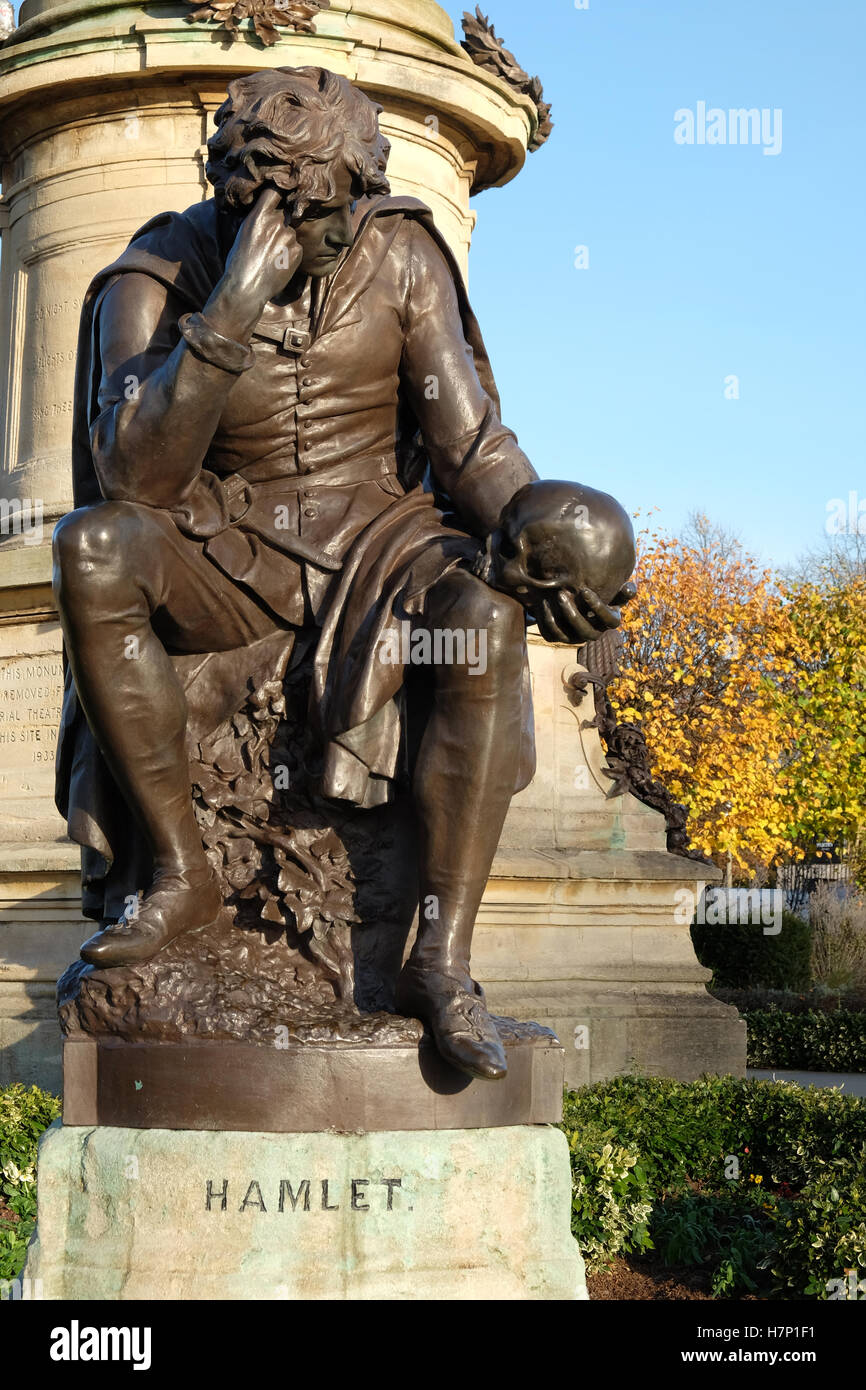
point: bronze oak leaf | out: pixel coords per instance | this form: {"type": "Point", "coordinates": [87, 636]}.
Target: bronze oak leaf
{"type": "Point", "coordinates": [267, 16]}
{"type": "Point", "coordinates": [488, 51]}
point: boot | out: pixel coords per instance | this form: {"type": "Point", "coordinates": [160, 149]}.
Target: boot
{"type": "Point", "coordinates": [435, 986]}
{"type": "Point", "coordinates": [137, 712]}
{"type": "Point", "coordinates": [173, 905]}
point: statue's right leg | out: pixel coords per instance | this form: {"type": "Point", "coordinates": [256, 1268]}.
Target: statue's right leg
{"type": "Point", "coordinates": [116, 566]}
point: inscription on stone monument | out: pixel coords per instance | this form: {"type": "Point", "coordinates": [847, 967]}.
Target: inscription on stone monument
{"type": "Point", "coordinates": [360, 1194]}
{"type": "Point", "coordinates": [31, 688]}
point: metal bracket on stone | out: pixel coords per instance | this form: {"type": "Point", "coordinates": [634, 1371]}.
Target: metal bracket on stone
{"type": "Point", "coordinates": [629, 765]}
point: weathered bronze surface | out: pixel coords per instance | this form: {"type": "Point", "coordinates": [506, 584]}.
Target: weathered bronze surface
{"type": "Point", "coordinates": [357, 1086]}
{"type": "Point", "coordinates": [294, 592]}
{"type": "Point", "coordinates": [490, 53]}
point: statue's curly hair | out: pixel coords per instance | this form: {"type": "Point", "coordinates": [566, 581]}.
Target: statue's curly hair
{"type": "Point", "coordinates": [291, 128]}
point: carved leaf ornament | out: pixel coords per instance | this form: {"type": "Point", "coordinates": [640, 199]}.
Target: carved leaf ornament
{"type": "Point", "coordinates": [489, 52]}
{"type": "Point", "coordinates": [267, 16]}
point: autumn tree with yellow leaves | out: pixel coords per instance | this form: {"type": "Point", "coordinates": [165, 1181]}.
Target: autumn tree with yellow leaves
{"type": "Point", "coordinates": [824, 779]}
{"type": "Point", "coordinates": [751, 695]}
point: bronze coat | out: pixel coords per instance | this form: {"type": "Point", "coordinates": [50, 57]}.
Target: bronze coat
{"type": "Point", "coordinates": [394, 348]}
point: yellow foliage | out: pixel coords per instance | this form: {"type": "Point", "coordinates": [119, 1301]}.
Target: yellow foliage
{"type": "Point", "coordinates": [742, 688]}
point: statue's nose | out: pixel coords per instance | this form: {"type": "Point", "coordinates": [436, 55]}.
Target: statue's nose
{"type": "Point", "coordinates": [341, 234]}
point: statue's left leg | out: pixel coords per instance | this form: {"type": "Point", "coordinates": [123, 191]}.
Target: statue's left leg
{"type": "Point", "coordinates": [463, 780]}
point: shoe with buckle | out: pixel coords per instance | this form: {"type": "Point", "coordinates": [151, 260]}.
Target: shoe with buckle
{"type": "Point", "coordinates": [462, 1029]}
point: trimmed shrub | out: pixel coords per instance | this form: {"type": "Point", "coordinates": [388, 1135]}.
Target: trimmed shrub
{"type": "Point", "coordinates": [811, 1041]}
{"type": "Point", "coordinates": [610, 1197]}
{"type": "Point", "coordinates": [821, 1241]}
{"type": "Point", "coordinates": [761, 1183]}
{"type": "Point", "coordinates": [822, 1001]}
{"type": "Point", "coordinates": [675, 1128]}
{"type": "Point", "coordinates": [742, 957]}
{"type": "Point", "coordinates": [24, 1115]}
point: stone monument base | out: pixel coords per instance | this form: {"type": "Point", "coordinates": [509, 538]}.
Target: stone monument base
{"type": "Point", "coordinates": [161, 1214]}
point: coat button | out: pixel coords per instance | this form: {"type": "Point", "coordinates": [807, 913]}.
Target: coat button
{"type": "Point", "coordinates": [307, 446]}
{"type": "Point", "coordinates": [310, 511]}
{"type": "Point", "coordinates": [307, 381]}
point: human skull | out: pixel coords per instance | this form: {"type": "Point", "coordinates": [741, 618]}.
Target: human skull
{"type": "Point", "coordinates": [565, 552]}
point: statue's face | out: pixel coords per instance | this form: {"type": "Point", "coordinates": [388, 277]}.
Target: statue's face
{"type": "Point", "coordinates": [325, 230]}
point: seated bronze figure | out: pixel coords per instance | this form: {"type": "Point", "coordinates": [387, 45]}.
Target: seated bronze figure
{"type": "Point", "coordinates": [287, 441]}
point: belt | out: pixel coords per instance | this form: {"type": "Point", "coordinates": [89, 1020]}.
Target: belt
{"type": "Point", "coordinates": [346, 473]}
{"type": "Point", "coordinates": [237, 489]}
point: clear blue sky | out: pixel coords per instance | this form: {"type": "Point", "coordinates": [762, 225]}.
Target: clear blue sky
{"type": "Point", "coordinates": [705, 261]}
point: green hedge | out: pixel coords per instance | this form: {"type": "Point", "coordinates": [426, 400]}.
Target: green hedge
{"type": "Point", "coordinates": [742, 957]}
{"type": "Point", "coordinates": [821, 1000]}
{"type": "Point", "coordinates": [760, 1183]}
{"type": "Point", "coordinates": [24, 1114]}
{"type": "Point", "coordinates": [813, 1040]}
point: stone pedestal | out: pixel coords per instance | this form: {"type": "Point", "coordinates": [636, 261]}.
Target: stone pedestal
{"type": "Point", "coordinates": [480, 1214]}
{"type": "Point", "coordinates": [41, 929]}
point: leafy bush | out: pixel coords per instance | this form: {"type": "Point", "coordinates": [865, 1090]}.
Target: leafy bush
{"type": "Point", "coordinates": [24, 1114]}
{"type": "Point", "coordinates": [610, 1202]}
{"type": "Point", "coordinates": [729, 1232]}
{"type": "Point", "coordinates": [812, 1040]}
{"type": "Point", "coordinates": [762, 1183]}
{"type": "Point", "coordinates": [677, 1129]}
{"type": "Point", "coordinates": [824, 1234]}
{"type": "Point", "coordinates": [742, 957]}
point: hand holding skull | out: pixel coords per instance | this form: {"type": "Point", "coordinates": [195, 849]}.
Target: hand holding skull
{"type": "Point", "coordinates": [565, 552]}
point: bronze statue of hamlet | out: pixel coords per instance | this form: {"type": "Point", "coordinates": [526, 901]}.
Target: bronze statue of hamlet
{"type": "Point", "coordinates": [291, 476]}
